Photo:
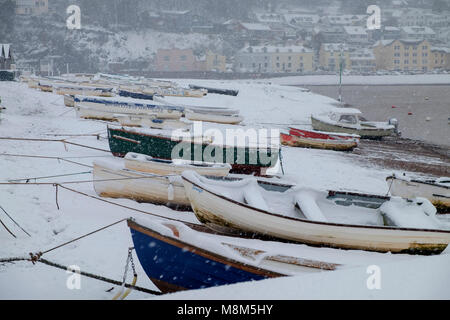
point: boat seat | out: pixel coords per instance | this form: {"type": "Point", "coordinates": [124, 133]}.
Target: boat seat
{"type": "Point", "coordinates": [253, 197]}
{"type": "Point", "coordinates": [306, 201]}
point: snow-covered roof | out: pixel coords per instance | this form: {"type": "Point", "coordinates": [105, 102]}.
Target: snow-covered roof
{"type": "Point", "coordinates": [345, 111]}
{"type": "Point", "coordinates": [276, 49]}
{"type": "Point", "coordinates": [345, 18]}
{"type": "Point", "coordinates": [270, 17]}
{"type": "Point", "coordinates": [443, 49]}
{"type": "Point", "coordinates": [301, 18]}
{"type": "Point", "coordinates": [355, 30]}
{"type": "Point", "coordinates": [362, 54]}
{"type": "Point", "coordinates": [255, 26]}
{"type": "Point", "coordinates": [418, 30]}
{"type": "Point", "coordinates": [334, 47]}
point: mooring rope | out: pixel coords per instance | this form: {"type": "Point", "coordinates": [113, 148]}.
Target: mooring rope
{"type": "Point", "coordinates": [14, 221]}
{"type": "Point", "coordinates": [45, 157]}
{"type": "Point", "coordinates": [53, 140]}
{"type": "Point", "coordinates": [46, 177]}
{"type": "Point", "coordinates": [83, 273]}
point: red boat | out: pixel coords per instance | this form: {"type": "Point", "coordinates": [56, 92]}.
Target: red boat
{"type": "Point", "coordinates": [320, 140]}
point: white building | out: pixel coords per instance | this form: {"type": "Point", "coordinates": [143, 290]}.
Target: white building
{"type": "Point", "coordinates": [416, 32]}
{"type": "Point", "coordinates": [356, 35]}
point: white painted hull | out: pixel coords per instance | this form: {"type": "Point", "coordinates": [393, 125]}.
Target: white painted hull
{"type": "Point", "coordinates": [159, 190]}
{"type": "Point", "coordinates": [84, 92]}
{"type": "Point", "coordinates": [217, 118]}
{"type": "Point", "coordinates": [148, 122]}
{"type": "Point", "coordinates": [364, 132]}
{"type": "Point", "coordinates": [69, 101]}
{"type": "Point", "coordinates": [218, 211]}
{"type": "Point", "coordinates": [139, 163]}
{"type": "Point", "coordinates": [409, 189]}
{"type": "Point", "coordinates": [90, 110]}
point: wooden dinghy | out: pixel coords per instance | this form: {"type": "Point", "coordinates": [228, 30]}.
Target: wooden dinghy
{"type": "Point", "coordinates": [229, 92]}
{"type": "Point", "coordinates": [143, 163]}
{"type": "Point", "coordinates": [86, 90]}
{"type": "Point", "coordinates": [108, 108]}
{"type": "Point", "coordinates": [181, 258]}
{"type": "Point", "coordinates": [175, 92]}
{"type": "Point", "coordinates": [319, 140]}
{"type": "Point", "coordinates": [223, 111]}
{"type": "Point", "coordinates": [134, 92]}
{"type": "Point", "coordinates": [349, 120]}
{"type": "Point", "coordinates": [113, 180]}
{"type": "Point", "coordinates": [211, 117]}
{"type": "Point", "coordinates": [131, 120]}
{"type": "Point", "coordinates": [435, 190]}
{"type": "Point", "coordinates": [163, 146]}
{"type": "Point", "coordinates": [69, 100]}
{"type": "Point", "coordinates": [309, 216]}
{"type": "Point", "coordinates": [158, 181]}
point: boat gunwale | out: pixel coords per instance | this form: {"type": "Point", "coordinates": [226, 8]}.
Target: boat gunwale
{"type": "Point", "coordinates": [333, 224]}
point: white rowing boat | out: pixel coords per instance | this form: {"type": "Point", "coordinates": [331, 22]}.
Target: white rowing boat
{"type": "Point", "coordinates": [309, 216]}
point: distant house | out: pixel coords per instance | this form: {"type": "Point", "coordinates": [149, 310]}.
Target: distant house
{"type": "Point", "coordinates": [6, 57]}
{"type": "Point", "coordinates": [416, 32]}
{"type": "Point", "coordinates": [345, 19]}
{"type": "Point", "coordinates": [440, 58]}
{"type": "Point", "coordinates": [174, 60]}
{"type": "Point", "coordinates": [332, 54]}
{"type": "Point", "coordinates": [274, 59]}
{"type": "Point", "coordinates": [356, 35]}
{"type": "Point", "coordinates": [403, 55]}
{"type": "Point", "coordinates": [332, 34]}
{"type": "Point", "coordinates": [215, 62]}
{"type": "Point", "coordinates": [362, 60]}
{"type": "Point", "coordinates": [31, 7]}
{"type": "Point", "coordinates": [256, 30]}
{"type": "Point", "coordinates": [304, 21]}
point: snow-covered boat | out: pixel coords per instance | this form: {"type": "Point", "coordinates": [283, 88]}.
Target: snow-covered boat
{"type": "Point", "coordinates": [245, 158]}
{"type": "Point", "coordinates": [69, 100]}
{"type": "Point", "coordinates": [150, 121]}
{"type": "Point", "coordinates": [212, 117]}
{"type": "Point", "coordinates": [108, 108]}
{"type": "Point", "coordinates": [181, 258]}
{"type": "Point", "coordinates": [134, 92]}
{"type": "Point", "coordinates": [312, 217]}
{"type": "Point", "coordinates": [158, 181]}
{"type": "Point", "coordinates": [320, 140]}
{"type": "Point", "coordinates": [224, 111]}
{"type": "Point", "coordinates": [144, 163]}
{"type": "Point", "coordinates": [175, 91]}
{"type": "Point", "coordinates": [228, 92]}
{"type": "Point", "coordinates": [350, 120]}
{"type": "Point", "coordinates": [113, 180]}
{"type": "Point", "coordinates": [86, 90]}
{"type": "Point", "coordinates": [435, 190]}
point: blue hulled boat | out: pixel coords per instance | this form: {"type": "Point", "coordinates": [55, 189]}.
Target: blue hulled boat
{"type": "Point", "coordinates": [174, 265]}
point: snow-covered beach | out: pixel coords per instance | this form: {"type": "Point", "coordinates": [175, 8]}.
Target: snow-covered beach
{"type": "Point", "coordinates": [38, 115]}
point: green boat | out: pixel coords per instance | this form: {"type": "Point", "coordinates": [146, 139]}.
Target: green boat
{"type": "Point", "coordinates": [246, 160]}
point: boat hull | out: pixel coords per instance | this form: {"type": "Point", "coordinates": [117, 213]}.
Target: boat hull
{"type": "Point", "coordinates": [296, 141]}
{"type": "Point", "coordinates": [376, 133]}
{"type": "Point", "coordinates": [151, 122]}
{"type": "Point", "coordinates": [162, 167]}
{"type": "Point", "coordinates": [242, 160]}
{"type": "Point", "coordinates": [439, 196]}
{"type": "Point", "coordinates": [217, 118]}
{"type": "Point", "coordinates": [174, 265]}
{"type": "Point", "coordinates": [111, 182]}
{"type": "Point", "coordinates": [215, 210]}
